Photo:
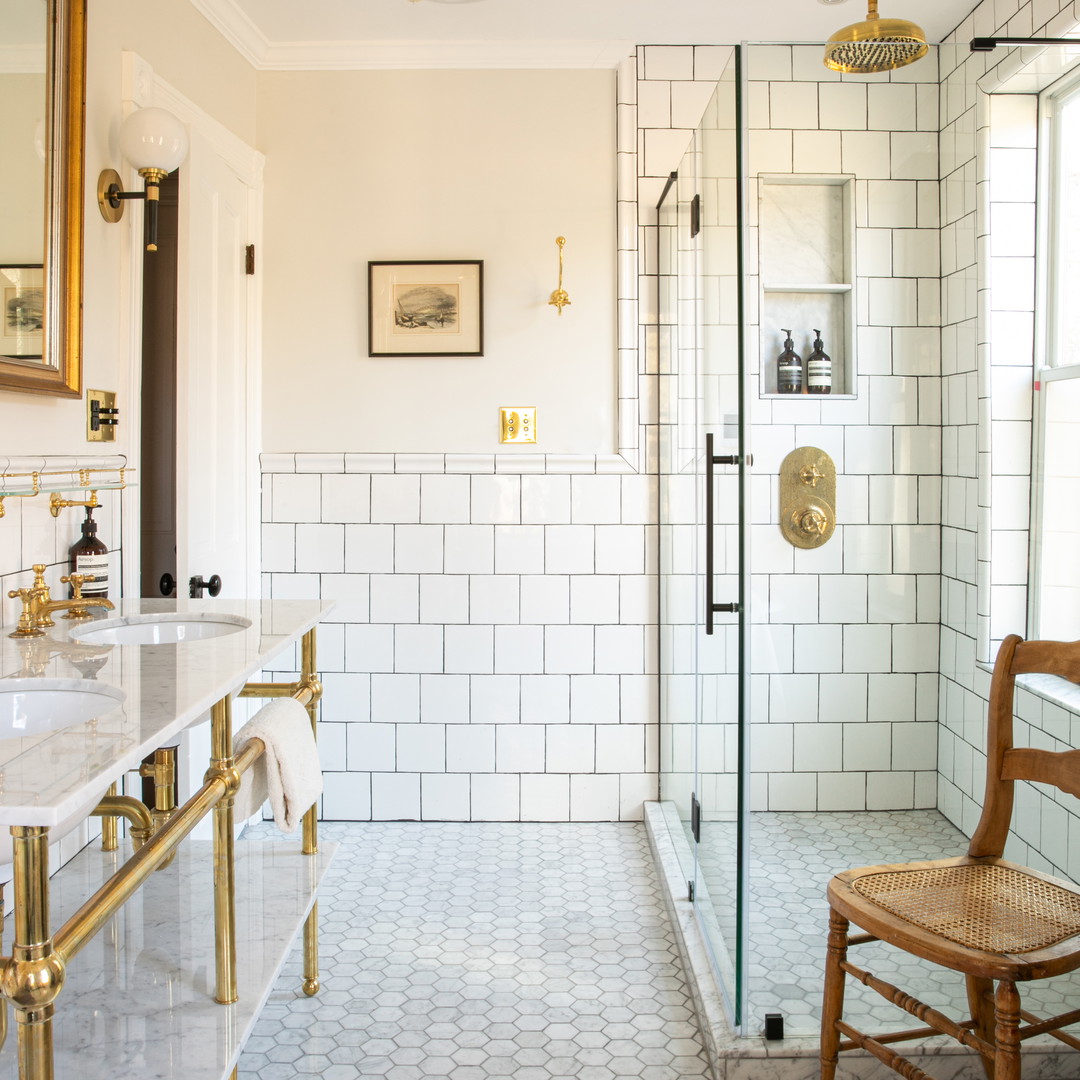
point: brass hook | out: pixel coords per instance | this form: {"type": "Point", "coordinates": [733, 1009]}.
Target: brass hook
{"type": "Point", "coordinates": [559, 297]}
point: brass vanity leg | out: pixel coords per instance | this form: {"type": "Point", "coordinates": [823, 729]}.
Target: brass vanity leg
{"type": "Point", "coordinates": [309, 677]}
{"type": "Point", "coordinates": [222, 764]}
{"type": "Point", "coordinates": [109, 831]}
{"type": "Point", "coordinates": [35, 973]}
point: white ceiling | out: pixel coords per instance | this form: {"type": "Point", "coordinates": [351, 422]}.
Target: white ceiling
{"type": "Point", "coordinates": [530, 33]}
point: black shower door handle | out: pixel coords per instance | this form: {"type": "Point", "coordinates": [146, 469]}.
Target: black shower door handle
{"type": "Point", "coordinates": [711, 461]}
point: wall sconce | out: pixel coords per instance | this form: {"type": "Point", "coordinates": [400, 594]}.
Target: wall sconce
{"type": "Point", "coordinates": [155, 142]}
{"type": "Point", "coordinates": [560, 298]}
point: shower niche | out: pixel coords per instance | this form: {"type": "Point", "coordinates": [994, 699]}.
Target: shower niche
{"type": "Point", "coordinates": [806, 253]}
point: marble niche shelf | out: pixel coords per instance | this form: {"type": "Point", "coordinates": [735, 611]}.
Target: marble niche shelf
{"type": "Point", "coordinates": [806, 244]}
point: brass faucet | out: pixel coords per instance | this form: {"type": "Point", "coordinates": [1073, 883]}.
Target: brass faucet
{"type": "Point", "coordinates": [38, 605]}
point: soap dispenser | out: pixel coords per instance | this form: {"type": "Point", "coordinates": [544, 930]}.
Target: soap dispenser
{"type": "Point", "coordinates": [789, 371]}
{"type": "Point", "coordinates": [89, 556]}
{"type": "Point", "coordinates": [818, 369]}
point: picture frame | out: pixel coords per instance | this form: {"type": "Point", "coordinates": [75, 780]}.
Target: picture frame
{"type": "Point", "coordinates": [429, 307]}
{"type": "Point", "coordinates": [22, 311]}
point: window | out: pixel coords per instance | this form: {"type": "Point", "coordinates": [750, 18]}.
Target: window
{"type": "Point", "coordinates": [1055, 556]}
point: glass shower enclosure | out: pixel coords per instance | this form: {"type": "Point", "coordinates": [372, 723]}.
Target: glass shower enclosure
{"type": "Point", "coordinates": [704, 481]}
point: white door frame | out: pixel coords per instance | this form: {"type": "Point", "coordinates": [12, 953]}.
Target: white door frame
{"type": "Point", "coordinates": [142, 88]}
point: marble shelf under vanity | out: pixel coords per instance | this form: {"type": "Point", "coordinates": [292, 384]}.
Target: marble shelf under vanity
{"type": "Point", "coordinates": [138, 1000]}
{"type": "Point", "coordinates": [47, 777]}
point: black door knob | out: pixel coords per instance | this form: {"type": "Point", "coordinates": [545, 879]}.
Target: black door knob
{"type": "Point", "coordinates": [167, 584]}
{"type": "Point", "coordinates": [196, 586]}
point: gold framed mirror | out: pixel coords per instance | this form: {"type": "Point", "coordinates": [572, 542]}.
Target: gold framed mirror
{"type": "Point", "coordinates": [42, 85]}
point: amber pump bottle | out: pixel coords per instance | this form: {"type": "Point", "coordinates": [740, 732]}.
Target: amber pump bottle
{"type": "Point", "coordinates": [88, 555]}
{"type": "Point", "coordinates": [819, 369]}
{"type": "Point", "coordinates": [789, 370]}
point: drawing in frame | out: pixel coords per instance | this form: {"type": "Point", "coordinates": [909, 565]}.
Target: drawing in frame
{"type": "Point", "coordinates": [22, 312]}
{"type": "Point", "coordinates": [426, 308]}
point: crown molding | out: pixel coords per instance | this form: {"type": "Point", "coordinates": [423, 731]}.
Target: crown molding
{"type": "Point", "coordinates": [235, 26]}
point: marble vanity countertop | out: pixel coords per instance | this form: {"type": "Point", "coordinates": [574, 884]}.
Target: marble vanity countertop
{"type": "Point", "coordinates": [46, 778]}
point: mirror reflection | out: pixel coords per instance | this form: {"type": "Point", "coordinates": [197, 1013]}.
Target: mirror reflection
{"type": "Point", "coordinates": [23, 100]}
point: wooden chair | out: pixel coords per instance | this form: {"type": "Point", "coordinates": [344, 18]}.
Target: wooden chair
{"type": "Point", "coordinates": [990, 919]}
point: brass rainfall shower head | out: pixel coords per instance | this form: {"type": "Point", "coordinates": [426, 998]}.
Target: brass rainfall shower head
{"type": "Point", "coordinates": [875, 45]}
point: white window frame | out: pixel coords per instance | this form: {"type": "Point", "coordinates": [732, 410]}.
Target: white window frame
{"type": "Point", "coordinates": [1050, 310]}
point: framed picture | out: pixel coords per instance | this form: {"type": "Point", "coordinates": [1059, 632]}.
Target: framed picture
{"type": "Point", "coordinates": [426, 308]}
{"type": "Point", "coordinates": [22, 314]}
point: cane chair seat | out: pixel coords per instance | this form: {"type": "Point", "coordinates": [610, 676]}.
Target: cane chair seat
{"type": "Point", "coordinates": [993, 920]}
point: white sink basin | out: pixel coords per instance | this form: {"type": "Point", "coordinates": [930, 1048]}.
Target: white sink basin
{"type": "Point", "coordinates": [35, 706]}
{"type": "Point", "coordinates": [167, 628]}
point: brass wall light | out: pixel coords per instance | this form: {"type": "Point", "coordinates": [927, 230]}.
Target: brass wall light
{"type": "Point", "coordinates": [560, 298]}
{"type": "Point", "coordinates": [876, 44]}
{"type": "Point", "coordinates": [156, 143]}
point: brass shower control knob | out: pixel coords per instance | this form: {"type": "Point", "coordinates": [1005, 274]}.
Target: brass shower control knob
{"type": "Point", "coordinates": [811, 520]}
{"type": "Point", "coordinates": [807, 497]}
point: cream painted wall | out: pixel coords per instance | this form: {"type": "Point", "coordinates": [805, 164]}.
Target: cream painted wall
{"type": "Point", "coordinates": [186, 51]}
{"type": "Point", "coordinates": [488, 165]}
{"type": "Point", "coordinates": [23, 181]}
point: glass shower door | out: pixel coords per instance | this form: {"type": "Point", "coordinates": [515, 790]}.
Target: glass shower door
{"type": "Point", "coordinates": [703, 482]}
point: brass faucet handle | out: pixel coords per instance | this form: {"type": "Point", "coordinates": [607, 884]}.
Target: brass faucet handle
{"type": "Point", "coordinates": [26, 626]}
{"type": "Point", "coordinates": [76, 581]}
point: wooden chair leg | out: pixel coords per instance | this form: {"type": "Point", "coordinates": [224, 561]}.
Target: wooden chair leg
{"type": "Point", "coordinates": [832, 1005]}
{"type": "Point", "coordinates": [1007, 1032]}
{"type": "Point", "coordinates": [980, 995]}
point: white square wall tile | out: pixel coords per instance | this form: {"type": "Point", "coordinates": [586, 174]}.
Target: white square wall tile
{"type": "Point", "coordinates": [793, 105]}
{"type": "Point", "coordinates": [418, 648]}
{"type": "Point", "coordinates": [394, 598]}
{"type": "Point", "coordinates": [395, 498]}
{"type": "Point", "coordinates": [444, 598]}
{"type": "Point", "coordinates": [496, 500]}
{"type": "Point", "coordinates": [545, 500]}
{"type": "Point", "coordinates": [346, 497]}
{"type": "Point", "coordinates": [418, 549]}
{"type": "Point", "coordinates": [545, 699]}
{"type": "Point", "coordinates": [445, 798]}
{"type": "Point", "coordinates": [519, 649]}
{"type": "Point", "coordinates": [371, 748]}
{"type": "Point", "coordinates": [493, 598]}
{"type": "Point", "coordinates": [843, 106]}
{"type": "Point", "coordinates": [867, 746]}
{"type": "Point", "coordinates": [594, 798]}
{"type": "Point", "coordinates": [469, 649]}
{"type": "Point", "coordinates": [470, 748]}
{"type": "Point", "coordinates": [395, 699]}
{"type": "Point", "coordinates": [421, 748]}
{"type": "Point", "coordinates": [469, 549]}
{"type": "Point", "coordinates": [570, 549]}
{"type": "Point", "coordinates": [620, 748]}
{"type": "Point", "coordinates": [295, 497]}
{"type": "Point", "coordinates": [445, 499]}
{"type": "Point", "coordinates": [369, 549]}
{"type": "Point", "coordinates": [595, 699]}
{"type": "Point", "coordinates": [395, 797]}
{"type": "Point", "coordinates": [545, 599]}
{"type": "Point", "coordinates": [519, 549]}
{"type": "Point", "coordinates": [519, 748]}
{"type": "Point", "coordinates": [545, 798]}
{"type": "Point", "coordinates": [495, 699]}
{"type": "Point", "coordinates": [444, 699]}
{"type": "Point", "coordinates": [595, 500]}
{"type": "Point", "coordinates": [496, 798]}
{"type": "Point", "coordinates": [346, 797]}
{"type": "Point", "coordinates": [320, 548]}
{"type": "Point", "coordinates": [620, 650]}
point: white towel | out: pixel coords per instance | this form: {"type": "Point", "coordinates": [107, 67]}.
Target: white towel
{"type": "Point", "coordinates": [287, 772]}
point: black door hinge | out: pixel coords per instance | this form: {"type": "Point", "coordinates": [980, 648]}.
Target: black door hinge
{"type": "Point", "coordinates": [249, 259]}
{"type": "Point", "coordinates": [695, 216]}
{"type": "Point", "coordinates": [695, 818]}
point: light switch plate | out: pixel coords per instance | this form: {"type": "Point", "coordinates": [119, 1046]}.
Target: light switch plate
{"type": "Point", "coordinates": [101, 416]}
{"type": "Point", "coordinates": [518, 424]}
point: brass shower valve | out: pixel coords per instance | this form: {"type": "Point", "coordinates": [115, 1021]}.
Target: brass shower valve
{"type": "Point", "coordinates": [807, 497]}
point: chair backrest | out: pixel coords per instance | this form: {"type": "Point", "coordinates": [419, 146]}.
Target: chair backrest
{"type": "Point", "coordinates": [1006, 763]}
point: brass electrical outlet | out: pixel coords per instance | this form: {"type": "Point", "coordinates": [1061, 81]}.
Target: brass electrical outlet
{"type": "Point", "coordinates": [518, 425]}
{"type": "Point", "coordinates": [807, 497]}
{"type": "Point", "coordinates": [101, 413]}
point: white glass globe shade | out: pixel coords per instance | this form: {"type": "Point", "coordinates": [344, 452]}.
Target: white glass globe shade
{"type": "Point", "coordinates": [153, 139]}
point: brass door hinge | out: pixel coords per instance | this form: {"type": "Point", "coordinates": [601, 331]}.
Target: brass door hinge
{"type": "Point", "coordinates": [249, 260]}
